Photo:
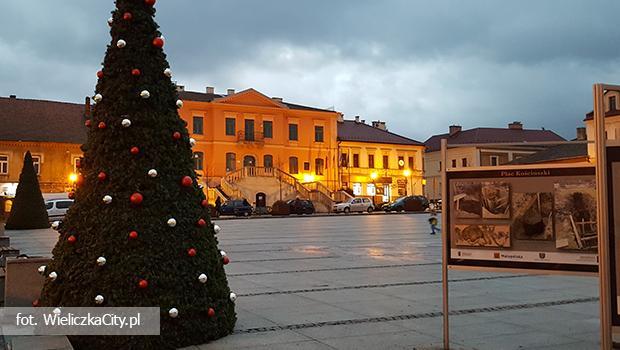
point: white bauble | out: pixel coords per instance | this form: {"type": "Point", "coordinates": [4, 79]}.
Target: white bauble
{"type": "Point", "coordinates": [233, 296]}
{"type": "Point", "coordinates": [172, 222]}
{"type": "Point", "coordinates": [41, 269]}
{"type": "Point", "coordinates": [168, 72]}
{"type": "Point", "coordinates": [223, 253]}
{"type": "Point", "coordinates": [173, 312]}
{"type": "Point", "coordinates": [55, 225]}
{"type": "Point", "coordinates": [145, 94]}
{"type": "Point", "coordinates": [57, 311]}
{"type": "Point", "coordinates": [121, 43]}
{"type": "Point", "coordinates": [110, 21]}
{"type": "Point", "coordinates": [203, 278]}
{"type": "Point", "coordinates": [179, 104]}
{"type": "Point", "coordinates": [99, 299]}
{"type": "Point", "coordinates": [153, 173]}
{"type": "Point", "coordinates": [101, 261]}
{"type": "Point", "coordinates": [97, 98]}
{"type": "Point", "coordinates": [217, 229]}
{"type": "Point", "coordinates": [126, 123]}
{"type": "Point", "coordinates": [53, 275]}
{"type": "Point", "coordinates": [107, 199]}
{"type": "Point", "coordinates": [192, 142]}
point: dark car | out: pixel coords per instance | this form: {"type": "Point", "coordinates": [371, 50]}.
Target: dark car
{"type": "Point", "coordinates": [238, 207]}
{"type": "Point", "coordinates": [408, 203]}
{"type": "Point", "coordinates": [301, 206]}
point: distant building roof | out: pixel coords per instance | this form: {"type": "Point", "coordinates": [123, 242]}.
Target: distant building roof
{"type": "Point", "coordinates": [491, 135]}
{"type": "Point", "coordinates": [555, 153]}
{"type": "Point", "coordinates": [40, 120]}
{"type": "Point", "coordinates": [351, 130]}
{"type": "Point", "coordinates": [206, 97]}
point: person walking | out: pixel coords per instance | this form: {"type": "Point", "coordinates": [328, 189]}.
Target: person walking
{"type": "Point", "coordinates": [218, 206]}
{"type": "Point", "coordinates": [433, 221]}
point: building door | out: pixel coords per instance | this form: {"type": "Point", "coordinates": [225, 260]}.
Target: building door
{"type": "Point", "coordinates": [249, 161]}
{"type": "Point", "coordinates": [387, 193]}
{"type": "Point", "coordinates": [261, 200]}
{"type": "Point", "coordinates": [249, 129]}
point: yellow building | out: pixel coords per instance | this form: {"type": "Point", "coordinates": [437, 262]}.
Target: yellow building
{"type": "Point", "coordinates": [378, 164]}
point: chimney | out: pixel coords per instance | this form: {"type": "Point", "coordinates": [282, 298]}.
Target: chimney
{"type": "Point", "coordinates": [340, 118]}
{"type": "Point", "coordinates": [379, 125]}
{"type": "Point", "coordinates": [230, 92]}
{"type": "Point", "coordinates": [357, 118]}
{"type": "Point", "coordinates": [454, 129]}
{"type": "Point", "coordinates": [278, 99]}
{"type": "Point", "coordinates": [210, 90]}
{"type": "Point", "coordinates": [180, 88]}
{"type": "Point", "coordinates": [87, 107]}
{"type": "Point", "coordinates": [581, 134]}
{"type": "Point", "coordinates": [515, 126]}
{"type": "Point", "coordinates": [13, 97]}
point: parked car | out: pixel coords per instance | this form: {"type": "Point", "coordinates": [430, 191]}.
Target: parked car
{"type": "Point", "coordinates": [301, 206]}
{"type": "Point", "coordinates": [354, 205]}
{"type": "Point", "coordinates": [57, 208]}
{"type": "Point", "coordinates": [238, 207]}
{"type": "Point", "coordinates": [408, 203]}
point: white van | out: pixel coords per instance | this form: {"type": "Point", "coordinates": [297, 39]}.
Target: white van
{"type": "Point", "coordinates": [57, 208]}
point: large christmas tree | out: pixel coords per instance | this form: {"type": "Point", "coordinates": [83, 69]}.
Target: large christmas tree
{"type": "Point", "coordinates": [28, 210]}
{"type": "Point", "coordinates": [139, 233]}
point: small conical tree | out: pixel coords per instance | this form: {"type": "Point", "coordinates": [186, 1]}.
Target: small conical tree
{"type": "Point", "coordinates": [28, 211]}
{"type": "Point", "coordinates": [139, 232]}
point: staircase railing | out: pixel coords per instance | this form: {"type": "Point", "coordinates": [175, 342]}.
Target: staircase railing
{"type": "Point", "coordinates": [230, 189]}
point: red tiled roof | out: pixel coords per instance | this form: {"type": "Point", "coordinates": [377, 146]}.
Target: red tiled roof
{"type": "Point", "coordinates": [39, 120]}
{"type": "Point", "coordinates": [492, 135]}
{"type": "Point", "coordinates": [350, 130]}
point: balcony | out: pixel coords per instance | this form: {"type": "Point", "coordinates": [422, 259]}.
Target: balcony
{"type": "Point", "coordinates": [251, 138]}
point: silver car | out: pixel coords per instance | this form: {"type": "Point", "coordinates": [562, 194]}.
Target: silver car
{"type": "Point", "coordinates": [57, 208]}
{"type": "Point", "coordinates": [354, 205]}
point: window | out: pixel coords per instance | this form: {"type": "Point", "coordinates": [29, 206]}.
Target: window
{"type": "Point", "coordinates": [612, 103]}
{"type": "Point", "coordinates": [198, 160]}
{"type": "Point", "coordinates": [464, 162]}
{"type": "Point", "coordinates": [344, 160]}
{"type": "Point", "coordinates": [356, 160]}
{"type": "Point", "coordinates": [49, 205]}
{"type": "Point", "coordinates": [318, 133]}
{"type": "Point", "coordinates": [268, 161]}
{"type": "Point", "coordinates": [63, 204]}
{"type": "Point", "coordinates": [371, 161]}
{"type": "Point", "coordinates": [231, 162]}
{"type": "Point", "coordinates": [4, 165]}
{"type": "Point", "coordinates": [198, 127]}
{"type": "Point", "coordinates": [76, 164]}
{"type": "Point", "coordinates": [401, 162]}
{"type": "Point", "coordinates": [293, 165]}
{"type": "Point", "coordinates": [357, 190]}
{"type": "Point", "coordinates": [306, 166]}
{"type": "Point", "coordinates": [439, 165]}
{"type": "Point", "coordinates": [36, 162]}
{"type": "Point", "coordinates": [319, 164]}
{"type": "Point", "coordinates": [411, 163]}
{"type": "Point", "coordinates": [494, 160]}
{"type": "Point", "coordinates": [249, 130]}
{"type": "Point", "coordinates": [454, 163]}
{"type": "Point", "coordinates": [292, 132]}
{"type": "Point", "coordinates": [230, 127]}
{"type": "Point", "coordinates": [386, 162]}
{"type": "Point", "coordinates": [268, 129]}
{"type": "Point", "coordinates": [371, 190]}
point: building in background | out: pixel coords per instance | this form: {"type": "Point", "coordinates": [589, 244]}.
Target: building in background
{"type": "Point", "coordinates": [612, 122]}
{"type": "Point", "coordinates": [376, 163]}
{"type": "Point", "coordinates": [485, 150]}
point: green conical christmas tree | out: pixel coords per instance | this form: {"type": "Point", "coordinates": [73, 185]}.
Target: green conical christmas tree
{"type": "Point", "coordinates": [28, 211]}
{"type": "Point", "coordinates": [139, 233]}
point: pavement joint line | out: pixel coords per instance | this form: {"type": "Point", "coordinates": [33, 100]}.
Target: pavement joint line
{"type": "Point", "coordinates": [384, 285]}
{"type": "Point", "coordinates": [330, 269]}
{"type": "Point", "coordinates": [284, 259]}
{"type": "Point", "coordinates": [423, 315]}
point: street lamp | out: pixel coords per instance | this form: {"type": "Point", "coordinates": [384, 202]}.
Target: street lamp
{"type": "Point", "coordinates": [407, 174]}
{"type": "Point", "coordinates": [73, 177]}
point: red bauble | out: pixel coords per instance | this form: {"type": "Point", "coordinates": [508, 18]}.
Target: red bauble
{"type": "Point", "coordinates": [101, 125]}
{"type": "Point", "coordinates": [78, 164]}
{"type": "Point", "coordinates": [136, 198]}
{"type": "Point", "coordinates": [134, 150]}
{"type": "Point", "coordinates": [143, 284]}
{"type": "Point", "coordinates": [35, 303]}
{"type": "Point", "coordinates": [225, 260]}
{"type": "Point", "coordinates": [100, 74]}
{"type": "Point", "coordinates": [102, 176]}
{"type": "Point", "coordinates": [158, 42]}
{"type": "Point", "coordinates": [211, 312]}
{"type": "Point", "coordinates": [201, 223]}
{"type": "Point", "coordinates": [135, 72]}
{"type": "Point", "coordinates": [127, 16]}
{"type": "Point", "coordinates": [191, 252]}
{"type": "Point", "coordinates": [71, 195]}
{"type": "Point", "coordinates": [150, 2]}
{"type": "Point", "coordinates": [133, 235]}
{"type": "Point", "coordinates": [88, 123]}
{"type": "Point", "coordinates": [204, 203]}
{"type": "Point", "coordinates": [71, 239]}
{"type": "Point", "coordinates": [176, 135]}
{"type": "Point", "coordinates": [187, 181]}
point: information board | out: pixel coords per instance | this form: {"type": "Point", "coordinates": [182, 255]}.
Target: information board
{"type": "Point", "coordinates": [543, 218]}
{"type": "Point", "coordinates": [613, 217]}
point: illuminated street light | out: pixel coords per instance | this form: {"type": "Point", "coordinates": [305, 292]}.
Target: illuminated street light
{"type": "Point", "coordinates": [73, 177]}
{"type": "Point", "coordinates": [308, 178]}
{"type": "Point", "coordinates": [374, 175]}
{"type": "Point", "coordinates": [407, 172]}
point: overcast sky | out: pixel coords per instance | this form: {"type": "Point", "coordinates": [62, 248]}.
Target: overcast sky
{"type": "Point", "coordinates": [419, 65]}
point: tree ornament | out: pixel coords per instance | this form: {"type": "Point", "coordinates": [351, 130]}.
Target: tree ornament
{"type": "Point", "coordinates": [203, 278]}
{"type": "Point", "coordinates": [158, 42]}
{"type": "Point", "coordinates": [145, 94]}
{"type": "Point", "coordinates": [100, 74]}
{"type": "Point", "coordinates": [127, 16]}
{"type": "Point", "coordinates": [187, 181]}
{"type": "Point", "coordinates": [121, 43]}
{"type": "Point", "coordinates": [71, 239]}
{"type": "Point", "coordinates": [172, 222]}
{"type": "Point", "coordinates": [173, 312]}
{"type": "Point", "coordinates": [223, 253]}
{"type": "Point", "coordinates": [179, 104]}
{"type": "Point", "coordinates": [133, 235]}
{"type": "Point", "coordinates": [204, 203]}
{"type": "Point", "coordinates": [55, 225]}
{"type": "Point", "coordinates": [126, 123]}
{"type": "Point", "coordinates": [87, 123]}
{"type": "Point", "coordinates": [71, 195]}
{"type": "Point", "coordinates": [191, 252]}
{"type": "Point", "coordinates": [136, 198]}
{"type": "Point", "coordinates": [97, 98]}
{"type": "Point", "coordinates": [143, 284]}
{"type": "Point", "coordinates": [134, 150]}
{"type": "Point", "coordinates": [168, 72]}
{"type": "Point", "coordinates": [102, 176]}
{"type": "Point", "coordinates": [226, 260]}
{"type": "Point", "coordinates": [201, 223]}
{"type": "Point", "coordinates": [176, 135]}
{"type": "Point", "coordinates": [41, 269]}
{"type": "Point", "coordinates": [192, 142]}
{"type": "Point", "coordinates": [107, 199]}
{"type": "Point", "coordinates": [150, 2]}
{"type": "Point", "coordinates": [35, 303]}
{"type": "Point", "coordinates": [110, 21]}
{"type": "Point", "coordinates": [101, 261]}
{"type": "Point", "coordinates": [217, 229]}
{"type": "Point", "coordinates": [153, 173]}
{"type": "Point", "coordinates": [233, 296]}
{"type": "Point", "coordinates": [57, 311]}
{"type": "Point", "coordinates": [101, 125]}
{"type": "Point", "coordinates": [52, 275]}
{"type": "Point", "coordinates": [211, 312]}
{"type": "Point", "coordinates": [99, 299]}
{"type": "Point", "coordinates": [135, 72]}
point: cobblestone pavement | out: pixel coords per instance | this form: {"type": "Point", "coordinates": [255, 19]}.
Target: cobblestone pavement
{"type": "Point", "coordinates": [374, 282]}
